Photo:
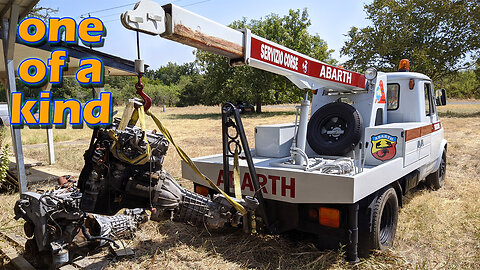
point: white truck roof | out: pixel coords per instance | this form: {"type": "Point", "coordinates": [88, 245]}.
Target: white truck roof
{"type": "Point", "coordinates": [406, 75]}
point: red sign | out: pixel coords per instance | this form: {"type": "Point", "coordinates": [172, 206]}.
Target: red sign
{"type": "Point", "coordinates": [271, 54]}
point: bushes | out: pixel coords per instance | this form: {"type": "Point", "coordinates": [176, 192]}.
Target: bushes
{"type": "Point", "coordinates": [464, 84]}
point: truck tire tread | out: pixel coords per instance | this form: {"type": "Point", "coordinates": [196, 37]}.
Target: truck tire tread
{"type": "Point", "coordinates": [384, 224]}
{"type": "Point", "coordinates": [335, 116]}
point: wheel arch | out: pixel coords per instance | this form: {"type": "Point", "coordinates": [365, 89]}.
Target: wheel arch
{"type": "Point", "coordinates": [443, 146]}
{"type": "Point", "coordinates": [399, 191]}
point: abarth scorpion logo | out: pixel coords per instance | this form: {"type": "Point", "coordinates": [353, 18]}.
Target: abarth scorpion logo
{"type": "Point", "coordinates": [384, 146]}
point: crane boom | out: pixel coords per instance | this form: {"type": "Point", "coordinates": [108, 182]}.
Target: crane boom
{"type": "Point", "coordinates": [241, 47]}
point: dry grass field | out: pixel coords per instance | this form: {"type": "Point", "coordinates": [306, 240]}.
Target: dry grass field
{"type": "Point", "coordinates": [436, 230]}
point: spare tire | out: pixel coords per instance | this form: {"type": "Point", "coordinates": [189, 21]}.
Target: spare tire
{"type": "Point", "coordinates": [334, 128]}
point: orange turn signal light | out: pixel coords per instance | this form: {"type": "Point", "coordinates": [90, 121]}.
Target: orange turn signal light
{"type": "Point", "coordinates": [411, 84]}
{"type": "Point", "coordinates": [404, 65]}
{"type": "Point", "coordinates": [202, 190]}
{"type": "Point", "coordinates": [329, 217]}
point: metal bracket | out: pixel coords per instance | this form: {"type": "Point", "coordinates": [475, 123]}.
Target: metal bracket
{"type": "Point", "coordinates": [147, 17]}
{"type": "Point", "coordinates": [231, 121]}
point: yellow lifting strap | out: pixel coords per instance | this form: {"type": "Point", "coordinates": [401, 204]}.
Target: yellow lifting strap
{"type": "Point", "coordinates": [236, 176]}
{"type": "Point", "coordinates": [194, 167]}
{"type": "Point", "coordinates": [140, 159]}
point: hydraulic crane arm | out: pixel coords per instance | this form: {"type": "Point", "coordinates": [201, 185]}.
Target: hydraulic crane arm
{"type": "Point", "coordinates": [241, 47]}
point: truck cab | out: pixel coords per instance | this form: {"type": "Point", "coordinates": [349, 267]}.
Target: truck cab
{"type": "Point", "coordinates": [419, 106]}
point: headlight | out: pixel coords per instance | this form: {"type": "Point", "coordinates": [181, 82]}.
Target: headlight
{"type": "Point", "coordinates": [371, 73]}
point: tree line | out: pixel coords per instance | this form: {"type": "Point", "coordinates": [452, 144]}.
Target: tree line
{"type": "Point", "coordinates": [441, 38]}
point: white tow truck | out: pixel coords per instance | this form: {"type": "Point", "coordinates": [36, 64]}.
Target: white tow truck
{"type": "Point", "coordinates": [340, 173]}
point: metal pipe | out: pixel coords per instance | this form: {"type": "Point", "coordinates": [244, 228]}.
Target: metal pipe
{"type": "Point", "coordinates": [295, 151]}
{"type": "Point", "coordinates": [302, 128]}
{"type": "Point", "coordinates": [226, 165]}
{"type": "Point", "coordinates": [287, 165]}
{"type": "Point", "coordinates": [294, 143]}
{"type": "Point", "coordinates": [94, 238]}
{"type": "Point", "coordinates": [354, 159]}
{"type": "Point", "coordinates": [364, 156]}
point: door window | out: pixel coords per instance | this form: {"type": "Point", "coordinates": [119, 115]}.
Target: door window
{"type": "Point", "coordinates": [393, 95]}
{"type": "Point", "coordinates": [428, 100]}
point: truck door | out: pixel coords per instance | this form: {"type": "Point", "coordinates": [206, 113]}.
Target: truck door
{"type": "Point", "coordinates": [429, 116]}
{"type": "Point", "coordinates": [436, 135]}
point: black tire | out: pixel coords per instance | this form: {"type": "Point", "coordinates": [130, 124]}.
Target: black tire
{"type": "Point", "coordinates": [334, 128]}
{"type": "Point", "coordinates": [436, 180]}
{"type": "Point", "coordinates": [384, 220]}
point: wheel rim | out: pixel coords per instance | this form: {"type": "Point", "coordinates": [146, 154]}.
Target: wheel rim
{"type": "Point", "coordinates": [333, 128]}
{"type": "Point", "coordinates": [386, 223]}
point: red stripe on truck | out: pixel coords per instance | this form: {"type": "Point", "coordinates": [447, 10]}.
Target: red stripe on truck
{"type": "Point", "coordinates": [421, 131]}
{"type": "Point", "coordinates": [274, 55]}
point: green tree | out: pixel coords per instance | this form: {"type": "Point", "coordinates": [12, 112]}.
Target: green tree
{"type": "Point", "coordinates": [462, 84]}
{"type": "Point", "coordinates": [477, 69]}
{"type": "Point", "coordinates": [172, 72]}
{"type": "Point", "coordinates": [223, 83]}
{"type": "Point", "coordinates": [191, 90]}
{"type": "Point", "coordinates": [439, 36]}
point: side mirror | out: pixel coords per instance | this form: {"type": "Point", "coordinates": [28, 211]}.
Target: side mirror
{"type": "Point", "coordinates": [441, 97]}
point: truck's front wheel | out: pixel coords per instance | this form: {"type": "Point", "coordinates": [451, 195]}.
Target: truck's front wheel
{"type": "Point", "coordinates": [384, 220]}
{"type": "Point", "coordinates": [436, 180]}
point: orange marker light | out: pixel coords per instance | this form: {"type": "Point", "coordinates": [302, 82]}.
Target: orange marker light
{"type": "Point", "coordinates": [404, 65]}
{"type": "Point", "coordinates": [411, 84]}
{"type": "Point", "coordinates": [202, 190]}
{"type": "Point", "coordinates": [329, 217]}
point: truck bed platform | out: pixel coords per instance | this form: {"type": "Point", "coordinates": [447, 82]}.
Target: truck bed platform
{"type": "Point", "coordinates": [300, 186]}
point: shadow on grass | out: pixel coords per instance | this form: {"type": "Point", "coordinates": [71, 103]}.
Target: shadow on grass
{"type": "Point", "coordinates": [215, 116]}
{"type": "Point", "coordinates": [231, 244]}
{"type": "Point", "coordinates": [458, 114]}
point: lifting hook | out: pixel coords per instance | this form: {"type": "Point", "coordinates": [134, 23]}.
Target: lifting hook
{"type": "Point", "coordinates": [147, 101]}
{"type": "Point", "coordinates": [140, 69]}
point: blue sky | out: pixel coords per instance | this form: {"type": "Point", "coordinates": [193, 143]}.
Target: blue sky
{"type": "Point", "coordinates": [330, 19]}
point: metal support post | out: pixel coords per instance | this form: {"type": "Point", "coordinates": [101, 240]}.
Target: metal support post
{"type": "Point", "coordinates": [239, 140]}
{"type": "Point", "coordinates": [301, 135]}
{"type": "Point", "coordinates": [98, 91]}
{"type": "Point", "coordinates": [51, 148]}
{"type": "Point", "coordinates": [9, 35]}
{"type": "Point", "coordinates": [352, 246]}
{"type": "Point", "coordinates": [225, 139]}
